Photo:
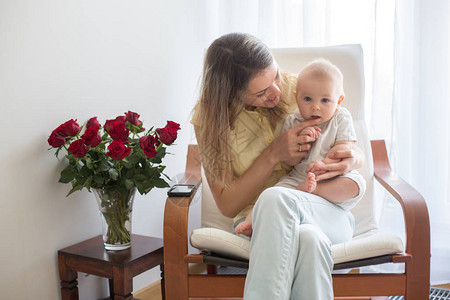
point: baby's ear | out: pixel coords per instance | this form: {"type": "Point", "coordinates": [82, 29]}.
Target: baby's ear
{"type": "Point", "coordinates": [341, 98]}
{"type": "Point", "coordinates": [295, 95]}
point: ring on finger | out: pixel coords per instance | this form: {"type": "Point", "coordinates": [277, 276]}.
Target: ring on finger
{"type": "Point", "coordinates": [300, 148]}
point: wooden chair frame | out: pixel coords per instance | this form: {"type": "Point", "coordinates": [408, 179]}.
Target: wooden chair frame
{"type": "Point", "coordinates": [414, 283]}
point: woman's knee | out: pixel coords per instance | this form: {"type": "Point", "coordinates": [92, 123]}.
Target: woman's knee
{"type": "Point", "coordinates": [273, 197]}
{"type": "Point", "coordinates": [312, 236]}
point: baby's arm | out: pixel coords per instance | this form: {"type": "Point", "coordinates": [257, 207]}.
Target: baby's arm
{"type": "Point", "coordinates": [342, 145]}
{"type": "Point", "coordinates": [315, 167]}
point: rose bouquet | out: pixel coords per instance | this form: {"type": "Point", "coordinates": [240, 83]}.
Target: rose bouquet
{"type": "Point", "coordinates": [114, 160]}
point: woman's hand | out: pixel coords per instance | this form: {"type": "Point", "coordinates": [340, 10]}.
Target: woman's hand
{"type": "Point", "coordinates": [349, 158]}
{"type": "Point", "coordinates": [291, 147]}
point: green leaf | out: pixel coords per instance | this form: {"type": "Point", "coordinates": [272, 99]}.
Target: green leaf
{"type": "Point", "coordinates": [74, 189]}
{"type": "Point", "coordinates": [149, 172]}
{"type": "Point", "coordinates": [156, 159]}
{"type": "Point", "coordinates": [103, 166]}
{"type": "Point", "coordinates": [67, 175]}
{"type": "Point", "coordinates": [87, 183]}
{"type": "Point", "coordinates": [142, 155]}
{"type": "Point", "coordinates": [99, 179]}
{"type": "Point", "coordinates": [85, 172]}
{"type": "Point", "coordinates": [160, 183]}
{"type": "Point", "coordinates": [133, 159]}
{"type": "Point", "coordinates": [140, 177]}
{"type": "Point", "coordinates": [166, 176]}
{"type": "Point", "coordinates": [89, 163]}
{"type": "Point", "coordinates": [161, 153]}
{"type": "Point", "coordinates": [141, 188]}
{"type": "Point", "coordinates": [129, 184]}
{"type": "Point", "coordinates": [72, 160]}
{"type": "Point", "coordinates": [113, 173]}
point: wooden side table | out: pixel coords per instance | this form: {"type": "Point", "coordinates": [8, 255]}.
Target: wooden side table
{"type": "Point", "coordinates": [119, 267]}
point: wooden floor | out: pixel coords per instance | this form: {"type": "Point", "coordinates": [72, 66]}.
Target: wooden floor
{"type": "Point", "coordinates": [153, 292]}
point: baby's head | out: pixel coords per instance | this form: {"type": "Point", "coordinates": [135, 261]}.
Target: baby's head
{"type": "Point", "coordinates": [320, 90]}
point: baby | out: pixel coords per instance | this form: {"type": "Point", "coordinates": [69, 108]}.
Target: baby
{"type": "Point", "coordinates": [319, 94]}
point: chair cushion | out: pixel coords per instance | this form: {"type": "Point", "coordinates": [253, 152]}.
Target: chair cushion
{"type": "Point", "coordinates": [229, 245]}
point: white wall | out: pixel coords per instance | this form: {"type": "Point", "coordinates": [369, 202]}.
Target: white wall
{"type": "Point", "coordinates": [77, 59]}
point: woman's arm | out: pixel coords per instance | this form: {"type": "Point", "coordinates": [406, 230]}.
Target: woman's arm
{"type": "Point", "coordinates": [231, 200]}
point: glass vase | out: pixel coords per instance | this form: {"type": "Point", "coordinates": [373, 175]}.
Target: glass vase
{"type": "Point", "coordinates": [115, 209]}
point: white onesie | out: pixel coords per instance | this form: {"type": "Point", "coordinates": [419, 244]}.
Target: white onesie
{"type": "Point", "coordinates": [338, 128]}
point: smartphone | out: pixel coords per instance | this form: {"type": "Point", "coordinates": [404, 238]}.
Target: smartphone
{"type": "Point", "coordinates": [181, 190]}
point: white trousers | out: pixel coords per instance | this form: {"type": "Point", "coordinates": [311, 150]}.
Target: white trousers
{"type": "Point", "coordinates": [290, 253]}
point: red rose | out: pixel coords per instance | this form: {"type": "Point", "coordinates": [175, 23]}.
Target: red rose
{"type": "Point", "coordinates": [148, 143]}
{"type": "Point", "coordinates": [168, 134]}
{"type": "Point", "coordinates": [78, 149]}
{"type": "Point", "coordinates": [70, 128]}
{"type": "Point", "coordinates": [173, 125]}
{"type": "Point", "coordinates": [56, 140]}
{"type": "Point", "coordinates": [109, 123]}
{"type": "Point", "coordinates": [133, 118]}
{"type": "Point", "coordinates": [92, 122]}
{"type": "Point", "coordinates": [118, 132]}
{"type": "Point", "coordinates": [117, 150]}
{"type": "Point", "coordinates": [91, 136]}
{"type": "Point", "coordinates": [122, 119]}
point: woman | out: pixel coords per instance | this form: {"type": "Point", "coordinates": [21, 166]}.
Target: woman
{"type": "Point", "coordinates": [243, 103]}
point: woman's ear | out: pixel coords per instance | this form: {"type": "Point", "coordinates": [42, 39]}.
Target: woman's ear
{"type": "Point", "coordinates": [341, 98]}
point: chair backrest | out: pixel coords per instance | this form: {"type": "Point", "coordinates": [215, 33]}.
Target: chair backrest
{"type": "Point", "coordinates": [349, 58]}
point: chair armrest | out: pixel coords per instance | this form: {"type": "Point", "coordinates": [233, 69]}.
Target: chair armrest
{"type": "Point", "coordinates": [415, 212]}
{"type": "Point", "coordinates": [175, 230]}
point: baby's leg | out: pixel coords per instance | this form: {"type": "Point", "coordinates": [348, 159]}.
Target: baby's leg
{"type": "Point", "coordinates": [337, 189]}
{"type": "Point", "coordinates": [309, 184]}
{"type": "Point", "coordinates": [245, 227]}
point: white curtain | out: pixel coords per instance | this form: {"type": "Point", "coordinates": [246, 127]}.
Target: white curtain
{"type": "Point", "coordinates": [420, 132]}
{"type": "Point", "coordinates": [406, 44]}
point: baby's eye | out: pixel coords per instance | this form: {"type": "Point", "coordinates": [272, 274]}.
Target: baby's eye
{"type": "Point", "coordinates": [325, 100]}
{"type": "Point", "coordinates": [307, 99]}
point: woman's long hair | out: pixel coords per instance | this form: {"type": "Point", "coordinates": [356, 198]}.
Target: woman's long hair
{"type": "Point", "coordinates": [230, 63]}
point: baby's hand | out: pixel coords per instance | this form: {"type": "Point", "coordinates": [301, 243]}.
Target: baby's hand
{"type": "Point", "coordinates": [322, 166]}
{"type": "Point", "coordinates": [312, 131]}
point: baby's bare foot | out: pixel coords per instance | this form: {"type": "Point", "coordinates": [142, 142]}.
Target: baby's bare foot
{"type": "Point", "coordinates": [244, 228]}
{"type": "Point", "coordinates": [309, 185]}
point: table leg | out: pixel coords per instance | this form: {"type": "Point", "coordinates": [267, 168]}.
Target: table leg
{"type": "Point", "coordinates": [69, 283]}
{"type": "Point", "coordinates": [163, 285]}
{"type": "Point", "coordinates": [122, 284]}
{"type": "Point", "coordinates": [111, 288]}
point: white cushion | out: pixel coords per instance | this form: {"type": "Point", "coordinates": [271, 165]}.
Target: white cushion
{"type": "Point", "coordinates": [229, 245]}
{"type": "Point", "coordinates": [221, 242]}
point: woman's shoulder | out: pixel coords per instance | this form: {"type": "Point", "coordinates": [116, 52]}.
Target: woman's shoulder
{"type": "Point", "coordinates": [288, 81]}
